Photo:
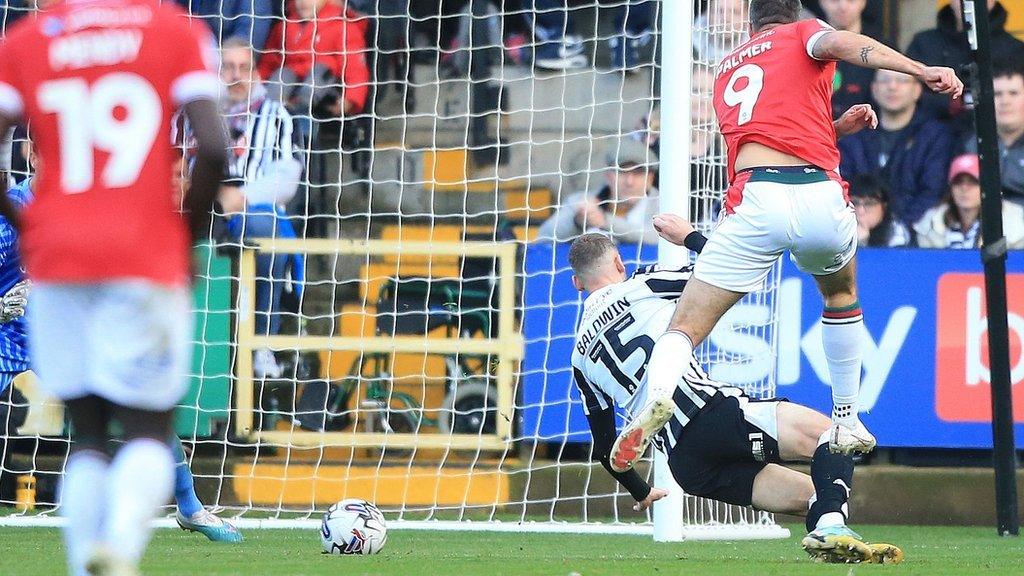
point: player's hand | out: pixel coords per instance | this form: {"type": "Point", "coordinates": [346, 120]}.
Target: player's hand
{"type": "Point", "coordinates": [12, 304]}
{"type": "Point", "coordinates": [673, 228]}
{"type": "Point", "coordinates": [655, 495]}
{"type": "Point", "coordinates": [856, 119]}
{"type": "Point", "coordinates": [942, 80]}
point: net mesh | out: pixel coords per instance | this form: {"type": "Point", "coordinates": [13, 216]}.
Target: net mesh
{"type": "Point", "coordinates": [377, 358]}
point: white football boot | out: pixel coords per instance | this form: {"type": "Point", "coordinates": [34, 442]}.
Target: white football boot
{"type": "Point", "coordinates": [636, 436]}
{"type": "Point", "coordinates": [210, 525]}
{"type": "Point", "coordinates": [843, 439]}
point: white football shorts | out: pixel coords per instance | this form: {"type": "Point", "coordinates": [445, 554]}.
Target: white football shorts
{"type": "Point", "coordinates": [126, 341]}
{"type": "Point", "coordinates": [800, 210]}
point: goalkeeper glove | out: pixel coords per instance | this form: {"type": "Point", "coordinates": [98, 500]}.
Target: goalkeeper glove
{"type": "Point", "coordinates": [12, 304]}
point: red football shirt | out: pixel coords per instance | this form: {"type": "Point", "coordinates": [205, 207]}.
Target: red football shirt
{"type": "Point", "coordinates": [772, 91]}
{"type": "Point", "coordinates": [98, 81]}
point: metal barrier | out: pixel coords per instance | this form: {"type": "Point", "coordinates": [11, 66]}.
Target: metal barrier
{"type": "Point", "coordinates": [507, 347]}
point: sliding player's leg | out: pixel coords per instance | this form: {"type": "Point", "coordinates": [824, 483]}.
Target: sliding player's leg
{"type": "Point", "coordinates": [83, 488]}
{"type": "Point", "coordinates": [698, 310]}
{"type": "Point", "coordinates": [191, 515]}
{"type": "Point", "coordinates": [842, 327]}
{"type": "Point", "coordinates": [736, 260]}
{"type": "Point", "coordinates": [803, 435]}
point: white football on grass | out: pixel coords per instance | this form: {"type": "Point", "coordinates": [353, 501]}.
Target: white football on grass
{"type": "Point", "coordinates": [353, 526]}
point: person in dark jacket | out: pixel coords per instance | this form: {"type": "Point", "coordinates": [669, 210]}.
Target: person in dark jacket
{"type": "Point", "coordinates": [247, 20]}
{"type": "Point", "coordinates": [946, 45]}
{"type": "Point", "coordinates": [909, 151]}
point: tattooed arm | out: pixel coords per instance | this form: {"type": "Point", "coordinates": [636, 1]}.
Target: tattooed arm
{"type": "Point", "coordinates": [869, 53]}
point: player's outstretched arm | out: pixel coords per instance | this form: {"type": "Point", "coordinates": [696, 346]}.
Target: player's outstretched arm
{"type": "Point", "coordinates": [867, 52]}
{"type": "Point", "coordinates": [211, 146]}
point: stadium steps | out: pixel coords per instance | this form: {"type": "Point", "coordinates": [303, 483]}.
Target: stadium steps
{"type": "Point", "coordinates": [554, 136]}
{"type": "Point", "coordinates": [443, 185]}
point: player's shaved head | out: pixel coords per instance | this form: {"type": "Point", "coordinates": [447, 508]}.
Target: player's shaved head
{"type": "Point", "coordinates": [765, 13]}
{"type": "Point", "coordinates": [592, 256]}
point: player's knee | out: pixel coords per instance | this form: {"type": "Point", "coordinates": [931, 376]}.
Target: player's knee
{"type": "Point", "coordinates": [839, 289]}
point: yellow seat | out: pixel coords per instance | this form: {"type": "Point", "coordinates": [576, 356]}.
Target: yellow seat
{"type": "Point", "coordinates": [532, 205]}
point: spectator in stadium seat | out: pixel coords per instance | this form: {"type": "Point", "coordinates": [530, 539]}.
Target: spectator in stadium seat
{"type": "Point", "coordinates": [852, 84]}
{"type": "Point", "coordinates": [719, 30]}
{"type": "Point", "coordinates": [315, 61]}
{"type": "Point", "coordinates": [956, 222]}
{"type": "Point", "coordinates": [559, 47]}
{"type": "Point", "coordinates": [247, 20]}
{"type": "Point", "coordinates": [910, 151]}
{"type": "Point", "coordinates": [707, 149]}
{"type": "Point", "coordinates": [1009, 98]}
{"type": "Point", "coordinates": [946, 45]}
{"type": "Point", "coordinates": [624, 207]}
{"type": "Point", "coordinates": [263, 175]}
{"type": "Point", "coordinates": [876, 226]}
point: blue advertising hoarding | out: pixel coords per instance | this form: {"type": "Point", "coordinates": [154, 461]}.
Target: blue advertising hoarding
{"type": "Point", "coordinates": [925, 380]}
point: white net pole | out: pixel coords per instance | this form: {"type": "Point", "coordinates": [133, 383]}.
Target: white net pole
{"type": "Point", "coordinates": [674, 174]}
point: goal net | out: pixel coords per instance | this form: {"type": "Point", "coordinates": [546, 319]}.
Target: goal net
{"type": "Point", "coordinates": [400, 329]}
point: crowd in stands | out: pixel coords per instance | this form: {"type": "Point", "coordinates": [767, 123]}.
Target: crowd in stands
{"type": "Point", "coordinates": [308, 62]}
{"type": "Point", "coordinates": [914, 181]}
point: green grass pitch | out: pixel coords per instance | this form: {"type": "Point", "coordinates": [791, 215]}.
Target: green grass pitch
{"type": "Point", "coordinates": [929, 551]}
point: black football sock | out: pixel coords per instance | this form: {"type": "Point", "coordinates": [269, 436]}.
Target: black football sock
{"type": "Point", "coordinates": [832, 475]}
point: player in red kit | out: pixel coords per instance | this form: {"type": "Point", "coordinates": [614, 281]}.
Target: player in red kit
{"type": "Point", "coordinates": [107, 246]}
{"type": "Point", "coordinates": [773, 101]}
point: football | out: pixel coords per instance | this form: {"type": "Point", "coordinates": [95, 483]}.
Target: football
{"type": "Point", "coordinates": [353, 526]}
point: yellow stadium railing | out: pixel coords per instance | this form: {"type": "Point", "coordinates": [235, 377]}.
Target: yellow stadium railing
{"type": "Point", "coordinates": [506, 347]}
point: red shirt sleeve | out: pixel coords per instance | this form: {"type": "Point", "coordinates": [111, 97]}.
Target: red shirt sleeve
{"type": "Point", "coordinates": [355, 73]}
{"type": "Point", "coordinates": [271, 58]}
{"type": "Point", "coordinates": [810, 31]}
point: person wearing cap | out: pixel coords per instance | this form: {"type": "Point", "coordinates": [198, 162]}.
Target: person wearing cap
{"type": "Point", "coordinates": [956, 222]}
{"type": "Point", "coordinates": [623, 207]}
{"type": "Point", "coordinates": [876, 226]}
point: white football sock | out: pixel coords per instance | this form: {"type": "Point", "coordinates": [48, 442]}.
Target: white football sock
{"type": "Point", "coordinates": [669, 360]}
{"type": "Point", "coordinates": [141, 480]}
{"type": "Point", "coordinates": [82, 503]}
{"type": "Point", "coordinates": [841, 339]}
{"type": "Point", "coordinates": [830, 519]}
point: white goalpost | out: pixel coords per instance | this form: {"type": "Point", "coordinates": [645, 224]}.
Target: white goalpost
{"type": "Point", "coordinates": [423, 356]}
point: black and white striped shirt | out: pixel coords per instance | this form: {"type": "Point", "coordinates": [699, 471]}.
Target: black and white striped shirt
{"type": "Point", "coordinates": [260, 136]}
{"type": "Point", "coordinates": [613, 345]}
{"type": "Point", "coordinates": [265, 155]}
